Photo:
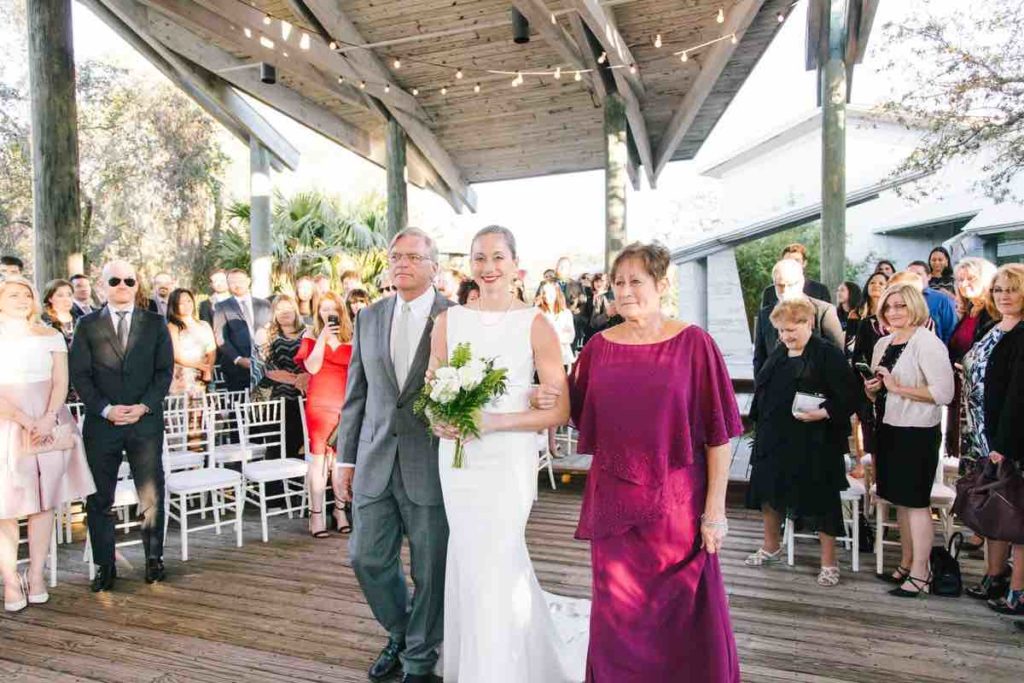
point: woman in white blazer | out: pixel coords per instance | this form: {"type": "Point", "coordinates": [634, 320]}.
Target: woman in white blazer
{"type": "Point", "coordinates": [913, 380]}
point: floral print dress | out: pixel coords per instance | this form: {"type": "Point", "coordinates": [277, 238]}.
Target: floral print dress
{"type": "Point", "coordinates": [974, 445]}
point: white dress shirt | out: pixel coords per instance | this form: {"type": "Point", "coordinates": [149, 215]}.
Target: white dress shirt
{"type": "Point", "coordinates": [245, 302]}
{"type": "Point", "coordinates": [112, 312]}
{"type": "Point", "coordinates": [419, 313]}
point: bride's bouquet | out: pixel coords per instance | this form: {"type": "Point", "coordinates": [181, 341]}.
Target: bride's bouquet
{"type": "Point", "coordinates": [458, 392]}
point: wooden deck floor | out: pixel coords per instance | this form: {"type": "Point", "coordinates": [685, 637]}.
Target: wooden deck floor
{"type": "Point", "coordinates": [291, 610]}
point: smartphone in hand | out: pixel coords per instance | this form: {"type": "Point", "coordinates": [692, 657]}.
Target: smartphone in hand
{"type": "Point", "coordinates": [864, 370]}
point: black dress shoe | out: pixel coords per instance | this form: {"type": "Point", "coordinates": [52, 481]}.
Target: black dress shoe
{"type": "Point", "coordinates": [155, 571]}
{"type": "Point", "coordinates": [104, 581]}
{"type": "Point", "coordinates": [421, 678]}
{"type": "Point", "coordinates": [387, 663]}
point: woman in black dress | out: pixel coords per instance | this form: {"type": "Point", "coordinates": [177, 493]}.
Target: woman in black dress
{"type": "Point", "coordinates": [941, 275]}
{"type": "Point", "coordinates": [798, 465]}
{"type": "Point", "coordinates": [869, 331]}
{"type": "Point", "coordinates": [286, 379]}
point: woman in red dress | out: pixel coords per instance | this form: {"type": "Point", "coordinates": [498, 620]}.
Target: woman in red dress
{"type": "Point", "coordinates": [325, 353]}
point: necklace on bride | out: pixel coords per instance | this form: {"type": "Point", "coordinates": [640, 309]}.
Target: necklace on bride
{"type": "Point", "coordinates": [500, 320]}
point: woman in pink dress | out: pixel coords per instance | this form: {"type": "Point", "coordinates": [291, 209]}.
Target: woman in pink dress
{"type": "Point", "coordinates": [653, 403]}
{"type": "Point", "coordinates": [34, 479]}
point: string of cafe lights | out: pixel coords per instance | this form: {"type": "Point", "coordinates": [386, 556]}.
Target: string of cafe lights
{"type": "Point", "coordinates": [518, 76]}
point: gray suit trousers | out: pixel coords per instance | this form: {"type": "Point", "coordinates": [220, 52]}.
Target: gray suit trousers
{"type": "Point", "coordinates": [375, 551]}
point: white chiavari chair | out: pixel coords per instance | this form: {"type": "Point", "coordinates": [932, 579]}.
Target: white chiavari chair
{"type": "Point", "coordinates": [51, 557]}
{"type": "Point", "coordinates": [213, 481]}
{"type": "Point", "coordinates": [263, 429]}
{"type": "Point", "coordinates": [222, 422]}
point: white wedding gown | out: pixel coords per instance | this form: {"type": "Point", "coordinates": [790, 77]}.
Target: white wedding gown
{"type": "Point", "coordinates": [498, 623]}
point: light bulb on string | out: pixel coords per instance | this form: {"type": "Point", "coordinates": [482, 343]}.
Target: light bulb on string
{"type": "Point", "coordinates": [602, 58]}
{"type": "Point", "coordinates": [387, 88]}
{"type": "Point", "coordinates": [341, 79]}
{"type": "Point", "coordinates": [577, 77]}
{"type": "Point", "coordinates": [733, 39]}
{"type": "Point", "coordinates": [684, 57]}
{"type": "Point", "coordinates": [476, 88]}
{"type": "Point", "coordinates": [444, 89]}
{"type": "Point", "coordinates": [721, 16]}
{"type": "Point", "coordinates": [657, 40]}
{"type": "Point", "coordinates": [415, 92]}
{"type": "Point", "coordinates": [558, 73]}
{"type": "Point", "coordinates": [458, 74]}
{"type": "Point", "coordinates": [362, 85]}
{"type": "Point", "coordinates": [332, 45]}
{"type": "Point", "coordinates": [398, 63]}
{"type": "Point", "coordinates": [632, 69]}
{"type": "Point", "coordinates": [266, 20]}
{"type": "Point", "coordinates": [781, 17]}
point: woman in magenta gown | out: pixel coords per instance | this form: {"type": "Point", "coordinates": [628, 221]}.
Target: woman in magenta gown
{"type": "Point", "coordinates": [654, 405]}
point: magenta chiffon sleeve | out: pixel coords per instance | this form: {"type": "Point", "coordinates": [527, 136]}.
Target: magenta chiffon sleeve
{"type": "Point", "coordinates": [646, 413]}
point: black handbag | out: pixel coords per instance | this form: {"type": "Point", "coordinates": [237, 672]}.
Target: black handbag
{"type": "Point", "coordinates": [945, 564]}
{"type": "Point", "coordinates": [990, 501]}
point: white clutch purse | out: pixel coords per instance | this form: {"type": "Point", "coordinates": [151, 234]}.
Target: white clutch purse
{"type": "Point", "coordinates": [804, 402]}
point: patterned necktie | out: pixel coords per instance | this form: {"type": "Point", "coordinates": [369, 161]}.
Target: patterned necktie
{"type": "Point", "coordinates": [402, 345]}
{"type": "Point", "coordinates": [122, 329]}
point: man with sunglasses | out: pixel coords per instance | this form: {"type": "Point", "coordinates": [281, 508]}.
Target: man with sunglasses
{"type": "Point", "coordinates": [120, 364]}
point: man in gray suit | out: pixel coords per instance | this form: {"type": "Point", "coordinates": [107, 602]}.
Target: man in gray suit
{"type": "Point", "coordinates": [388, 463]}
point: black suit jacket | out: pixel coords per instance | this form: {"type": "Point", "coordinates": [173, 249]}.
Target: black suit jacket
{"type": "Point", "coordinates": [812, 288]}
{"type": "Point", "coordinates": [1004, 396]}
{"type": "Point", "coordinates": [103, 374]}
{"type": "Point", "coordinates": [206, 311]}
{"type": "Point", "coordinates": [233, 338]}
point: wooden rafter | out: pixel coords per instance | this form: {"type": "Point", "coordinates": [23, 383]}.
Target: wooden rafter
{"type": "Point", "coordinates": [738, 20]}
{"type": "Point", "coordinates": [334, 20]}
{"type": "Point", "coordinates": [129, 21]}
{"type": "Point", "coordinates": [602, 24]}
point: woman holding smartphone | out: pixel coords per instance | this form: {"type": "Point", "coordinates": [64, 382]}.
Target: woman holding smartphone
{"type": "Point", "coordinates": [325, 353]}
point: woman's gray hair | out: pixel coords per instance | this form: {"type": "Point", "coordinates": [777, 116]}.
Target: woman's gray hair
{"type": "Point", "coordinates": [504, 232]}
{"type": "Point", "coordinates": [422, 234]}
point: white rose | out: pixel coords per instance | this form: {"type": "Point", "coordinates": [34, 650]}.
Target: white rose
{"type": "Point", "coordinates": [471, 374]}
{"type": "Point", "coordinates": [446, 385]}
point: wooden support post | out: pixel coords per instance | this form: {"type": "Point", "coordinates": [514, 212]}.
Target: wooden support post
{"type": "Point", "coordinates": [259, 218]}
{"type": "Point", "coordinates": [616, 176]}
{"type": "Point", "coordinates": [55, 189]}
{"type": "Point", "coordinates": [833, 148]}
{"type": "Point", "coordinates": [398, 205]}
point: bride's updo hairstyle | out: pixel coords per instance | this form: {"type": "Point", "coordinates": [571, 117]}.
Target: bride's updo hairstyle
{"type": "Point", "coordinates": [505, 233]}
{"type": "Point", "coordinates": [654, 258]}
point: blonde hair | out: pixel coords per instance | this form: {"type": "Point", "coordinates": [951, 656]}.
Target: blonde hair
{"type": "Point", "coordinates": [33, 315]}
{"type": "Point", "coordinates": [344, 322]}
{"type": "Point", "coordinates": [799, 309]}
{"type": "Point", "coordinates": [912, 297]}
{"type": "Point", "coordinates": [1014, 274]}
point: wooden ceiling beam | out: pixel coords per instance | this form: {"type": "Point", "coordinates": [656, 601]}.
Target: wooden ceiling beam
{"type": "Point", "coordinates": [334, 20]}
{"type": "Point", "coordinates": [579, 32]}
{"type": "Point", "coordinates": [129, 20]}
{"type": "Point", "coordinates": [602, 23]}
{"type": "Point", "coordinates": [737, 21]}
{"type": "Point", "coordinates": [282, 44]}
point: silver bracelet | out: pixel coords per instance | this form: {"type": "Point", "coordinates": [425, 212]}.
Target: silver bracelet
{"type": "Point", "coordinates": [714, 524]}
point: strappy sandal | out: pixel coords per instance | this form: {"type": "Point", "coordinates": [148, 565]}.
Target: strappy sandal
{"type": "Point", "coordinates": [346, 528]}
{"type": "Point", "coordinates": [828, 577]}
{"type": "Point", "coordinates": [762, 557]}
{"type": "Point", "coordinates": [897, 577]}
{"type": "Point", "coordinates": [323, 533]}
{"type": "Point", "coordinates": [21, 604]}
{"type": "Point", "coordinates": [922, 586]}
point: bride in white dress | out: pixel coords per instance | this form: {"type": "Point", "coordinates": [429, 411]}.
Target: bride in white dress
{"type": "Point", "coordinates": [498, 625]}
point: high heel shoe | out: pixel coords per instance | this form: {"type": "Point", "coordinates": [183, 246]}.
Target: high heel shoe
{"type": "Point", "coordinates": [18, 605]}
{"type": "Point", "coordinates": [323, 533]}
{"type": "Point", "coordinates": [897, 577]}
{"type": "Point", "coordinates": [922, 586]}
{"type": "Point", "coordinates": [343, 527]}
{"type": "Point", "coordinates": [38, 598]}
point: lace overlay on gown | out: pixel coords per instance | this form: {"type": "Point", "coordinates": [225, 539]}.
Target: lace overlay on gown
{"type": "Point", "coordinates": [500, 627]}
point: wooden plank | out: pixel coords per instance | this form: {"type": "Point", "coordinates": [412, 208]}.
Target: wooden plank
{"type": "Point", "coordinates": [589, 61]}
{"type": "Point", "coordinates": [291, 609]}
{"type": "Point", "coordinates": [737, 21]}
{"type": "Point", "coordinates": [397, 202]}
{"type": "Point", "coordinates": [368, 66]}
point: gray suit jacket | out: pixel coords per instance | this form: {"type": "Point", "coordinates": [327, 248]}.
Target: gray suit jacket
{"type": "Point", "coordinates": [377, 422]}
